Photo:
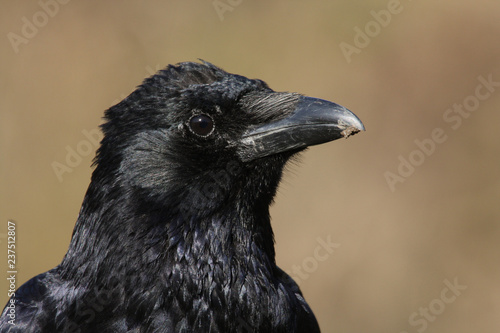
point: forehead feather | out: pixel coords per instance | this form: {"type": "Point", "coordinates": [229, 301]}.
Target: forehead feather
{"type": "Point", "coordinates": [227, 89]}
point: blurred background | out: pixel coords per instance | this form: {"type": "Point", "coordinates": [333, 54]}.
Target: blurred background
{"type": "Point", "coordinates": [408, 210]}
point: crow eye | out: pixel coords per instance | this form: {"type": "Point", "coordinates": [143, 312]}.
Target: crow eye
{"type": "Point", "coordinates": [201, 124]}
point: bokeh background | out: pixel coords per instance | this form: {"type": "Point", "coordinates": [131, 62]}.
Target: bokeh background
{"type": "Point", "coordinates": [396, 246]}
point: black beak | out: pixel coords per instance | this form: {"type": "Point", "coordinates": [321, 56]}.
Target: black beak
{"type": "Point", "coordinates": [312, 122]}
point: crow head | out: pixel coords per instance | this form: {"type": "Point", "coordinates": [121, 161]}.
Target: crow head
{"type": "Point", "coordinates": [193, 138]}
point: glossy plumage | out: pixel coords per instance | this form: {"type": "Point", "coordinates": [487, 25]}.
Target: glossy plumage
{"type": "Point", "coordinates": [174, 232]}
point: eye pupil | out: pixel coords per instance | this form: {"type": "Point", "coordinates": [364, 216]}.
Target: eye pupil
{"type": "Point", "coordinates": [201, 125]}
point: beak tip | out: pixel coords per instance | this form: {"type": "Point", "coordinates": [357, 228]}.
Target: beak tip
{"type": "Point", "coordinates": [354, 125]}
{"type": "Point", "coordinates": [351, 130]}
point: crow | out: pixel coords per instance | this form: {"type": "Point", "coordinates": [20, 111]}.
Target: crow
{"type": "Point", "coordinates": [174, 232]}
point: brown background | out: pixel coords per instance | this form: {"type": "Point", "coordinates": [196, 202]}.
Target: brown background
{"type": "Point", "coordinates": [396, 248]}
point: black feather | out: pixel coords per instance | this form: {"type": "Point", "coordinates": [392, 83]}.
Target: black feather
{"type": "Point", "coordinates": [174, 232]}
